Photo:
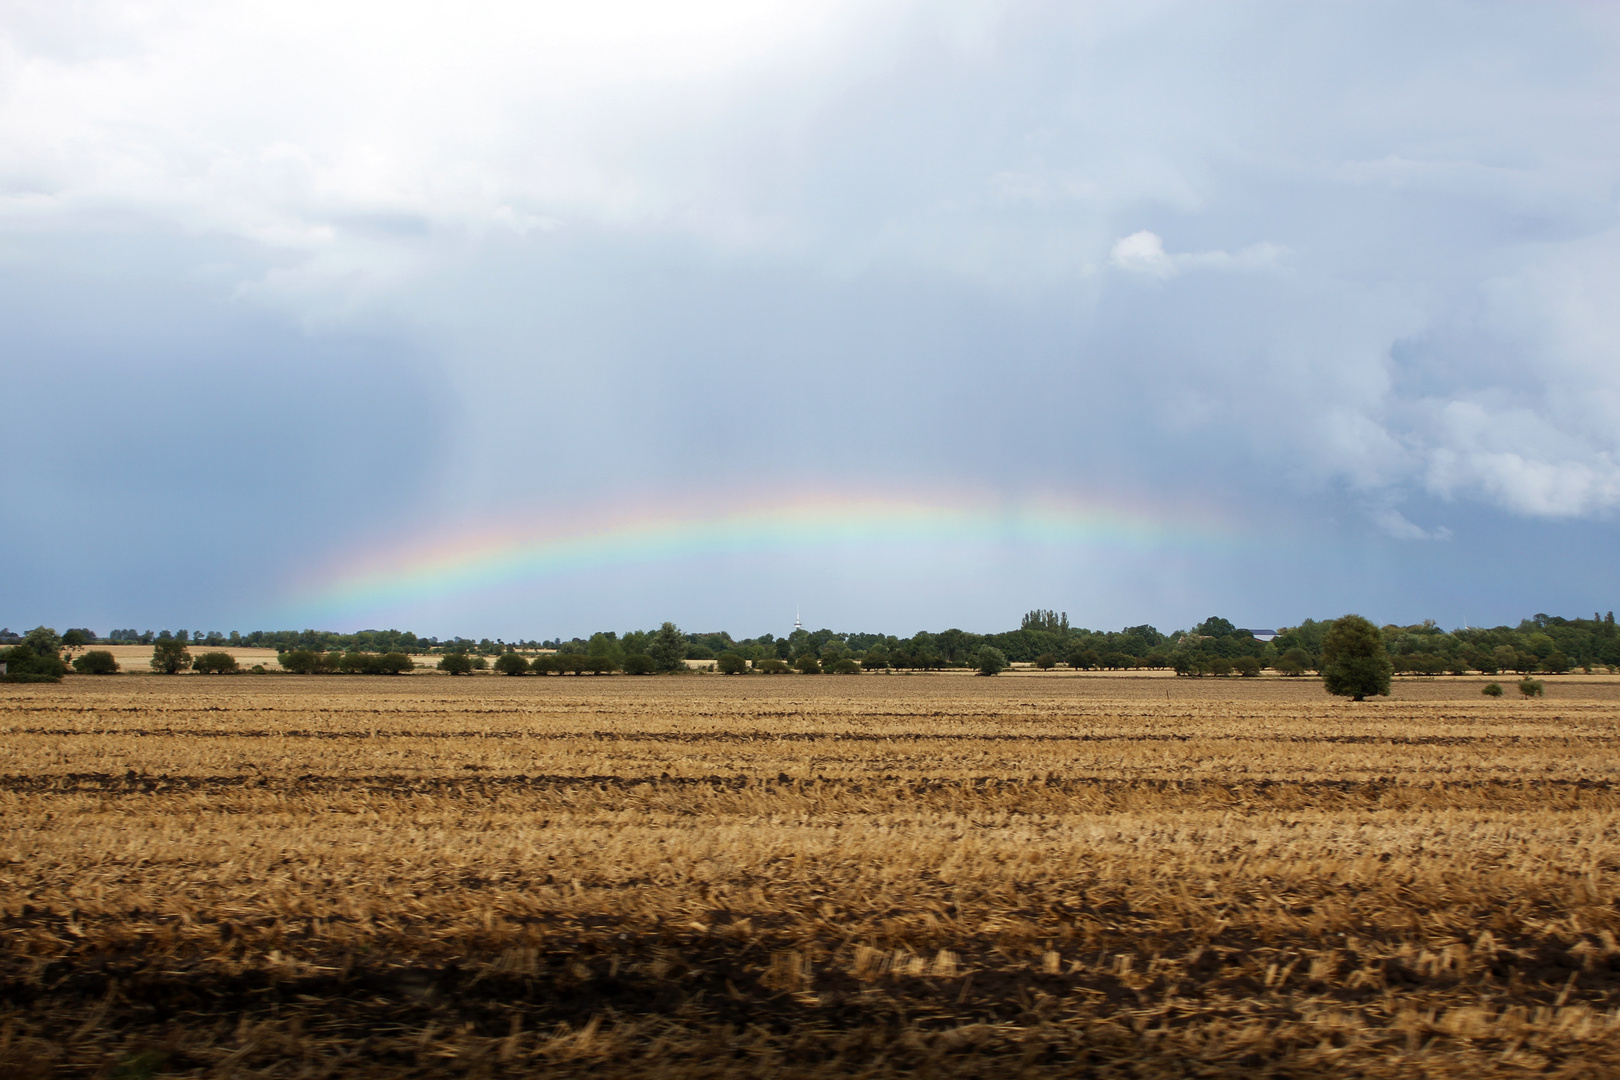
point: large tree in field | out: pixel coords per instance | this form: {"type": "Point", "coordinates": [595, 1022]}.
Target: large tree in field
{"type": "Point", "coordinates": [668, 648]}
{"type": "Point", "coordinates": [170, 655]}
{"type": "Point", "coordinates": [1354, 660]}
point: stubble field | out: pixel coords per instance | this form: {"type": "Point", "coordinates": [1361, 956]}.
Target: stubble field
{"type": "Point", "coordinates": [802, 876]}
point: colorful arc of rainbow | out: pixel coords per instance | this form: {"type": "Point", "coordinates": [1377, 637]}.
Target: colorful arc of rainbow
{"type": "Point", "coordinates": [494, 557]}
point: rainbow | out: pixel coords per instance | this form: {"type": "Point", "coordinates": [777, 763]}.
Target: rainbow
{"type": "Point", "coordinates": [502, 554]}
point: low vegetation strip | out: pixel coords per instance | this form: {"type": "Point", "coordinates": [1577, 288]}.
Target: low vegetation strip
{"type": "Point", "coordinates": [694, 891]}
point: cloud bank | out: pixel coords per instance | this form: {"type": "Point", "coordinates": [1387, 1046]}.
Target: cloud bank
{"type": "Point", "coordinates": [1310, 264]}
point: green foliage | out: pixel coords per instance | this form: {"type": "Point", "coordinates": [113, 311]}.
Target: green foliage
{"type": "Point", "coordinates": [1531, 687]}
{"type": "Point", "coordinates": [1294, 662]}
{"type": "Point", "coordinates": [990, 660]}
{"type": "Point", "coordinates": [456, 663]}
{"type": "Point", "coordinates": [844, 666]}
{"type": "Point", "coordinates": [638, 664]}
{"type": "Point", "coordinates": [1354, 662]}
{"type": "Point", "coordinates": [1246, 666]}
{"type": "Point", "coordinates": [668, 648]}
{"type": "Point", "coordinates": [96, 662]}
{"type": "Point", "coordinates": [303, 662]}
{"type": "Point", "coordinates": [772, 666]}
{"type": "Point", "coordinates": [511, 664]}
{"type": "Point", "coordinates": [24, 664]}
{"type": "Point", "coordinates": [393, 663]}
{"type": "Point", "coordinates": [1046, 622]}
{"type": "Point", "coordinates": [1492, 690]}
{"type": "Point", "coordinates": [729, 663]}
{"type": "Point", "coordinates": [1081, 658]}
{"type": "Point", "coordinates": [808, 664]}
{"type": "Point", "coordinates": [215, 663]}
{"type": "Point", "coordinates": [1046, 661]}
{"type": "Point", "coordinates": [170, 655]}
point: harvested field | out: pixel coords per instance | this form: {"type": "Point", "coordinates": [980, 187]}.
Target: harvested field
{"type": "Point", "coordinates": [803, 876]}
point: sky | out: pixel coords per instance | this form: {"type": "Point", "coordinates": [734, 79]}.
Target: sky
{"type": "Point", "coordinates": [529, 320]}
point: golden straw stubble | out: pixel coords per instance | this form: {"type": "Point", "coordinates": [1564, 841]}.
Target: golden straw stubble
{"type": "Point", "coordinates": [804, 876]}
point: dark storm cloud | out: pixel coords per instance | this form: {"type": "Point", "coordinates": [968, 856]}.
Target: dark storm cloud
{"type": "Point", "coordinates": [1347, 272]}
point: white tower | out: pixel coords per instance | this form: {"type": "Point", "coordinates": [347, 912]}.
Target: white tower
{"type": "Point", "coordinates": [797, 625]}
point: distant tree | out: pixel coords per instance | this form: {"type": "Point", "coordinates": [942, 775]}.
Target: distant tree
{"type": "Point", "coordinates": [1218, 666]}
{"type": "Point", "coordinates": [1294, 661]}
{"type": "Point", "coordinates": [668, 648]}
{"type": "Point", "coordinates": [1046, 661]}
{"type": "Point", "coordinates": [1555, 663]}
{"type": "Point", "coordinates": [1045, 621]}
{"type": "Point", "coordinates": [1531, 687]}
{"type": "Point", "coordinates": [1215, 627]}
{"type": "Point", "coordinates": [1354, 661]}
{"type": "Point", "coordinates": [37, 658]}
{"type": "Point", "coordinates": [170, 655]}
{"type": "Point", "coordinates": [544, 665]}
{"type": "Point", "coordinates": [214, 663]}
{"type": "Point", "coordinates": [603, 665]}
{"type": "Point", "coordinates": [772, 666]}
{"type": "Point", "coordinates": [511, 664]}
{"type": "Point", "coordinates": [843, 666]}
{"type": "Point", "coordinates": [394, 663]}
{"type": "Point", "coordinates": [1081, 658]}
{"type": "Point", "coordinates": [456, 663]}
{"type": "Point", "coordinates": [808, 664]}
{"type": "Point", "coordinates": [1492, 690]}
{"type": "Point", "coordinates": [308, 661]}
{"type": "Point", "coordinates": [695, 651]}
{"type": "Point", "coordinates": [1246, 666]}
{"type": "Point", "coordinates": [990, 660]}
{"type": "Point", "coordinates": [639, 664]}
{"type": "Point", "coordinates": [875, 660]}
{"type": "Point", "coordinates": [729, 663]}
{"type": "Point", "coordinates": [74, 640]}
{"type": "Point", "coordinates": [96, 662]}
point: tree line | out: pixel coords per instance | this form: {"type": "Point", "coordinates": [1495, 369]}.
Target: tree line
{"type": "Point", "coordinates": [1543, 644]}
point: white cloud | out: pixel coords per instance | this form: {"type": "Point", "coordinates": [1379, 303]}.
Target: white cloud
{"type": "Point", "coordinates": [1143, 253]}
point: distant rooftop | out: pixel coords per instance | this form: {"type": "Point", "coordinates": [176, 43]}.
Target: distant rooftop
{"type": "Point", "coordinates": [1261, 635]}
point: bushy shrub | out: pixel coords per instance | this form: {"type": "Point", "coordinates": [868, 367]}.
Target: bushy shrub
{"type": "Point", "coordinates": [1246, 666]}
{"type": "Point", "coordinates": [544, 665]}
{"type": "Point", "coordinates": [990, 661]}
{"type": "Point", "coordinates": [170, 655]}
{"type": "Point", "coordinates": [214, 663]}
{"type": "Point", "coordinates": [772, 666]}
{"type": "Point", "coordinates": [729, 663]}
{"type": "Point", "coordinates": [306, 662]}
{"type": "Point", "coordinates": [1046, 661]}
{"type": "Point", "coordinates": [1531, 687]}
{"type": "Point", "coordinates": [639, 664]}
{"type": "Point", "coordinates": [393, 663]}
{"type": "Point", "coordinates": [511, 664]}
{"type": "Point", "coordinates": [26, 664]}
{"type": "Point", "coordinates": [456, 663]}
{"type": "Point", "coordinates": [871, 663]}
{"type": "Point", "coordinates": [808, 664]}
{"type": "Point", "coordinates": [96, 662]}
{"type": "Point", "coordinates": [1492, 690]}
{"type": "Point", "coordinates": [843, 666]}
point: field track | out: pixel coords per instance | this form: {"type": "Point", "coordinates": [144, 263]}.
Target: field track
{"type": "Point", "coordinates": [923, 875]}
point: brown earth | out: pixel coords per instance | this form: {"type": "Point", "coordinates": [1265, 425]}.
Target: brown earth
{"type": "Point", "coordinates": [806, 876]}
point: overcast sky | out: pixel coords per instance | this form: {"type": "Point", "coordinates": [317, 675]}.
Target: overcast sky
{"type": "Point", "coordinates": [286, 284]}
